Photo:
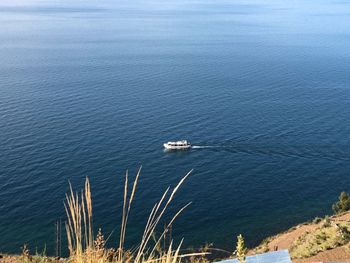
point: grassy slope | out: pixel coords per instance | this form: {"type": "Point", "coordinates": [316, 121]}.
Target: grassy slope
{"type": "Point", "coordinates": [325, 240]}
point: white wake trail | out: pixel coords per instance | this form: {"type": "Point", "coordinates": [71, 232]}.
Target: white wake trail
{"type": "Point", "coordinates": [205, 146]}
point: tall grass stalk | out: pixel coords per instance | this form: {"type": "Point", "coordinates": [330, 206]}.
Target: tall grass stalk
{"type": "Point", "coordinates": [80, 236]}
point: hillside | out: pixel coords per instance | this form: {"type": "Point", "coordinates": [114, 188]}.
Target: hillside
{"type": "Point", "coordinates": [322, 240]}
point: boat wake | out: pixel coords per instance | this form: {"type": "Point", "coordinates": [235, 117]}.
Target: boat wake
{"type": "Point", "coordinates": [286, 151]}
{"type": "Point", "coordinates": [205, 146]}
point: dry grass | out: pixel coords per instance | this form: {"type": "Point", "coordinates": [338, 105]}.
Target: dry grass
{"type": "Point", "coordinates": [84, 247]}
{"type": "Point", "coordinates": [327, 236]}
{"type": "Point", "coordinates": [323, 239]}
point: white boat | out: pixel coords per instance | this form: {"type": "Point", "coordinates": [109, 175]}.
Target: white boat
{"type": "Point", "coordinates": [179, 145]}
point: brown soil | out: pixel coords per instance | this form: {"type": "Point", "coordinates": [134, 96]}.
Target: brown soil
{"type": "Point", "coordinates": [285, 240]}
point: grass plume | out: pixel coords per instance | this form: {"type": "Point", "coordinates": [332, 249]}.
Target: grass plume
{"type": "Point", "coordinates": [85, 248]}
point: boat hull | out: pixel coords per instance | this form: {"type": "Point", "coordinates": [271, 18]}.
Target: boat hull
{"type": "Point", "coordinates": [176, 147]}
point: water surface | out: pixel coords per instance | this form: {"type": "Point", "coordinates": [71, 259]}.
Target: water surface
{"type": "Point", "coordinates": [92, 88]}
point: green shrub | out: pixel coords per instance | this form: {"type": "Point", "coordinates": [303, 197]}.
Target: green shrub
{"type": "Point", "coordinates": [343, 204]}
{"type": "Point", "coordinates": [241, 250]}
{"type": "Point", "coordinates": [327, 222]}
{"type": "Point", "coordinates": [317, 220]}
{"type": "Point", "coordinates": [320, 239]}
{"type": "Point", "coordinates": [344, 231]}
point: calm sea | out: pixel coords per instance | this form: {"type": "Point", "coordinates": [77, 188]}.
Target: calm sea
{"type": "Point", "coordinates": [92, 88]}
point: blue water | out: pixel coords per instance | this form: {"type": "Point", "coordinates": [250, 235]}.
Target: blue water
{"type": "Point", "coordinates": [92, 88]}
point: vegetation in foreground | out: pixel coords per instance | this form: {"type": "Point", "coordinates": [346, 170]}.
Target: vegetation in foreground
{"type": "Point", "coordinates": [320, 235]}
{"type": "Point", "coordinates": [327, 235]}
{"type": "Point", "coordinates": [241, 250]}
{"type": "Point", "coordinates": [343, 203]}
{"type": "Point", "coordinates": [85, 247]}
